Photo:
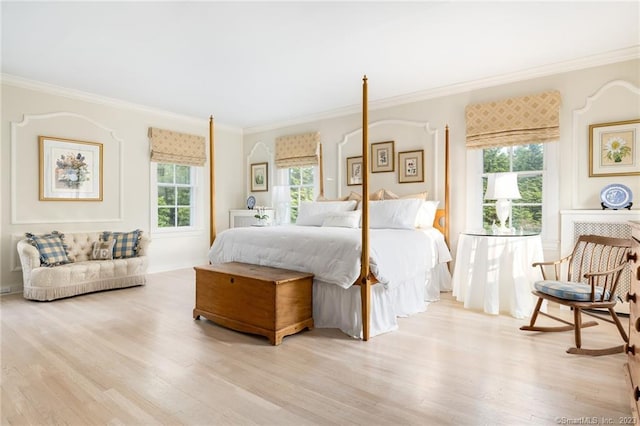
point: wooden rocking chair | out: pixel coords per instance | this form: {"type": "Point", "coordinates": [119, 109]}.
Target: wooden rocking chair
{"type": "Point", "coordinates": [593, 272]}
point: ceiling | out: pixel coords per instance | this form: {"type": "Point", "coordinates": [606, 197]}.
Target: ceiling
{"type": "Point", "coordinates": [256, 64]}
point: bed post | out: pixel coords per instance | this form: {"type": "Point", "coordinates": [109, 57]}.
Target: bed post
{"type": "Point", "coordinates": [365, 284]}
{"type": "Point", "coordinates": [446, 185]}
{"type": "Point", "coordinates": [320, 161]}
{"type": "Point", "coordinates": [212, 185]}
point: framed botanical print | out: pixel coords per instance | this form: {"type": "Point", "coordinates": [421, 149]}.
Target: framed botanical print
{"type": "Point", "coordinates": [382, 159]}
{"type": "Point", "coordinates": [354, 170]}
{"type": "Point", "coordinates": [614, 148]}
{"type": "Point", "coordinates": [259, 177]}
{"type": "Point", "coordinates": [70, 170]}
{"type": "Point", "coordinates": [411, 166]}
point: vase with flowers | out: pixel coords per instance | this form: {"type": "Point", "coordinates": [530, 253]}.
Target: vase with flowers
{"type": "Point", "coordinates": [261, 215]}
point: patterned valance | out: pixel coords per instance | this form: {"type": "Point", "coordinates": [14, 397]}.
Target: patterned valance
{"type": "Point", "coordinates": [514, 121]}
{"type": "Point", "coordinates": [177, 148]}
{"type": "Point", "coordinates": [297, 150]}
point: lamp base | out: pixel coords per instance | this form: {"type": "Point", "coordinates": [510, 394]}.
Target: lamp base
{"type": "Point", "coordinates": [503, 208]}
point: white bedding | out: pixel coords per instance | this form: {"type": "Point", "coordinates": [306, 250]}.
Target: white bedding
{"type": "Point", "coordinates": [333, 254]}
{"type": "Point", "coordinates": [410, 264]}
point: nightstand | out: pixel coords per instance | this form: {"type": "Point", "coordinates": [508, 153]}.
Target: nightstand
{"type": "Point", "coordinates": [493, 273]}
{"type": "Point", "coordinates": [245, 217]}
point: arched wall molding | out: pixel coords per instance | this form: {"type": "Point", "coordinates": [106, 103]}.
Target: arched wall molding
{"type": "Point", "coordinates": [432, 135]}
{"type": "Point", "coordinates": [577, 113]}
{"type": "Point", "coordinates": [270, 156]}
{"type": "Point", "coordinates": [27, 118]}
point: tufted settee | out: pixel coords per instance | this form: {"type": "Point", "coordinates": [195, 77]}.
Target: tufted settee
{"type": "Point", "coordinates": [81, 275]}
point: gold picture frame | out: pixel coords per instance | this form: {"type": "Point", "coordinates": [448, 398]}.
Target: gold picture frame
{"type": "Point", "coordinates": [354, 171]}
{"type": "Point", "coordinates": [259, 177]}
{"type": "Point", "coordinates": [614, 148]}
{"type": "Point", "coordinates": [411, 166]}
{"type": "Point", "coordinates": [70, 170]}
{"type": "Point", "coordinates": [382, 157]}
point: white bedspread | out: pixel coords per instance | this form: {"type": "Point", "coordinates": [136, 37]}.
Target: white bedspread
{"type": "Point", "coordinates": [333, 254]}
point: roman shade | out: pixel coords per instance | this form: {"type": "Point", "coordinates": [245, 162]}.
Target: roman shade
{"type": "Point", "coordinates": [177, 148]}
{"type": "Point", "coordinates": [298, 150]}
{"type": "Point", "coordinates": [514, 121]}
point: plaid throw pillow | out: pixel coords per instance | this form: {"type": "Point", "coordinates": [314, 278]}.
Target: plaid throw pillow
{"type": "Point", "coordinates": [126, 243]}
{"type": "Point", "coordinates": [52, 250]}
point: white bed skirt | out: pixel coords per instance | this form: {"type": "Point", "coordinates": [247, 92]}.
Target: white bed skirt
{"type": "Point", "coordinates": [335, 307]}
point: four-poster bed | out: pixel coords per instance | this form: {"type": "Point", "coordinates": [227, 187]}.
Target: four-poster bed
{"type": "Point", "coordinates": [404, 260]}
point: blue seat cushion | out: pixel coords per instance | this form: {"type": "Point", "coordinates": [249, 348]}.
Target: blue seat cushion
{"type": "Point", "coordinates": [568, 290]}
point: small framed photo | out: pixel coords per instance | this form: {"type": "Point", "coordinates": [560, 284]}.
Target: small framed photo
{"type": "Point", "coordinates": [354, 170]}
{"type": "Point", "coordinates": [411, 166]}
{"type": "Point", "coordinates": [382, 159]}
{"type": "Point", "coordinates": [70, 170]}
{"type": "Point", "coordinates": [614, 148]}
{"type": "Point", "coordinates": [259, 177]}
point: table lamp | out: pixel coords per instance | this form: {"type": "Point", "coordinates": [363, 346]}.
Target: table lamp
{"type": "Point", "coordinates": [503, 187]}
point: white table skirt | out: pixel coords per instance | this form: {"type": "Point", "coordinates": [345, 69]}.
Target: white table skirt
{"type": "Point", "coordinates": [494, 273]}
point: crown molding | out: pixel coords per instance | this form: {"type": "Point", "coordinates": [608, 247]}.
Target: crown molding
{"type": "Point", "coordinates": [24, 83]}
{"type": "Point", "coordinates": [614, 56]}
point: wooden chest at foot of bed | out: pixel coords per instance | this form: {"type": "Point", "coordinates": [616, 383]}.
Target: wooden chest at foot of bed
{"type": "Point", "coordinates": [254, 299]}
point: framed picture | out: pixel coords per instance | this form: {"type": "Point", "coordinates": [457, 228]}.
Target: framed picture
{"type": "Point", "coordinates": [70, 170]}
{"type": "Point", "coordinates": [259, 177]}
{"type": "Point", "coordinates": [411, 166]}
{"type": "Point", "coordinates": [382, 159]}
{"type": "Point", "coordinates": [614, 148]}
{"type": "Point", "coordinates": [354, 170]}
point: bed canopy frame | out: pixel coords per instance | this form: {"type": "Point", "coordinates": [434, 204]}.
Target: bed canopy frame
{"type": "Point", "coordinates": [365, 280]}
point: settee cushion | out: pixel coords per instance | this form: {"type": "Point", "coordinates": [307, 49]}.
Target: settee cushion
{"type": "Point", "coordinates": [126, 243]}
{"type": "Point", "coordinates": [52, 251]}
{"type": "Point", "coordinates": [103, 250]}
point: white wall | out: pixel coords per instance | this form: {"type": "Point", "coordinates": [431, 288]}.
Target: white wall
{"type": "Point", "coordinates": [29, 110]}
{"type": "Point", "coordinates": [575, 190]}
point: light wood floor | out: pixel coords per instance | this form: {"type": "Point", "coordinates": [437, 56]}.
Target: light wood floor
{"type": "Point", "coordinates": [136, 356]}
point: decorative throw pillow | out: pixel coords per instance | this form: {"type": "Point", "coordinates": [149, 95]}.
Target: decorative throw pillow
{"type": "Point", "coordinates": [126, 243]}
{"type": "Point", "coordinates": [394, 214]}
{"type": "Point", "coordinates": [427, 214]}
{"type": "Point", "coordinates": [313, 213]}
{"type": "Point", "coordinates": [103, 250]}
{"type": "Point", "coordinates": [343, 219]}
{"type": "Point", "coordinates": [52, 250]}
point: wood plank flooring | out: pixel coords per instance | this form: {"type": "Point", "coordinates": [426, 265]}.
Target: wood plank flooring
{"type": "Point", "coordinates": [136, 357]}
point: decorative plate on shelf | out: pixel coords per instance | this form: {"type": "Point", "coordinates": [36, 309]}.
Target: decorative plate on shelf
{"type": "Point", "coordinates": [616, 196]}
{"type": "Point", "coordinates": [251, 202]}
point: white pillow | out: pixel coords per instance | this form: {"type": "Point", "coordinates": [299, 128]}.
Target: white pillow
{"type": "Point", "coordinates": [394, 214]}
{"type": "Point", "coordinates": [343, 219]}
{"type": "Point", "coordinates": [427, 214]}
{"type": "Point", "coordinates": [312, 213]}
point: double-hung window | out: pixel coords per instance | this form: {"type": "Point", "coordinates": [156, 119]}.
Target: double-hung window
{"type": "Point", "coordinates": [176, 173]}
{"type": "Point", "coordinates": [527, 161]}
{"type": "Point", "coordinates": [175, 185]}
{"type": "Point", "coordinates": [301, 183]}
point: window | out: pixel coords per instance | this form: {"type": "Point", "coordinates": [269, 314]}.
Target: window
{"type": "Point", "coordinates": [301, 182]}
{"type": "Point", "coordinates": [175, 185]}
{"type": "Point", "coordinates": [528, 162]}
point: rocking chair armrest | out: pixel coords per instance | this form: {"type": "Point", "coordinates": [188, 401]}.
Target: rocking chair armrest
{"type": "Point", "coordinates": [552, 262]}
{"type": "Point", "coordinates": [607, 272]}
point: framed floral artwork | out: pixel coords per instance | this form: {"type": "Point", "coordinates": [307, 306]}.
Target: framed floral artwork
{"type": "Point", "coordinates": [70, 170]}
{"type": "Point", "coordinates": [411, 166]}
{"type": "Point", "coordinates": [382, 159]}
{"type": "Point", "coordinates": [354, 170]}
{"type": "Point", "coordinates": [614, 148]}
{"type": "Point", "coordinates": [259, 177]}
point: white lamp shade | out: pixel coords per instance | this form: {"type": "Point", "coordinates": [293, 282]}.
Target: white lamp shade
{"type": "Point", "coordinates": [502, 186]}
